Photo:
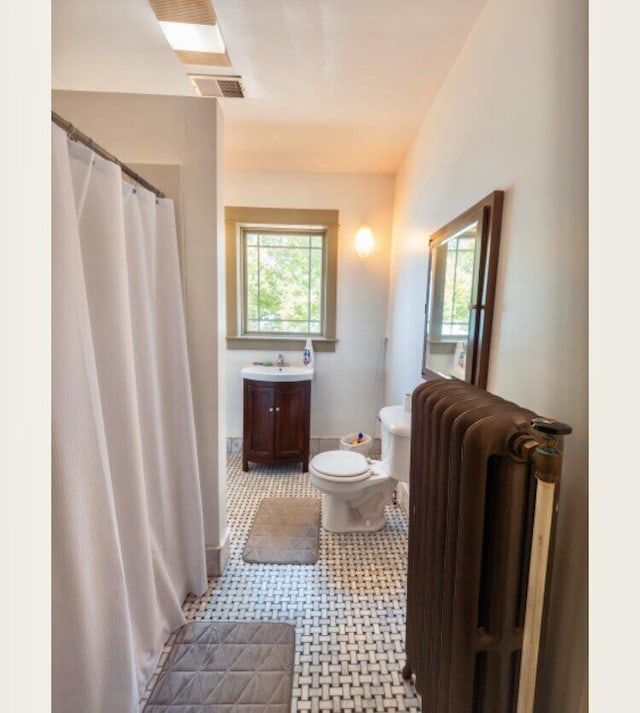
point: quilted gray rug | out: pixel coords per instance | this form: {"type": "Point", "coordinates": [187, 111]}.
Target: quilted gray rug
{"type": "Point", "coordinates": [284, 531]}
{"type": "Point", "coordinates": [227, 667]}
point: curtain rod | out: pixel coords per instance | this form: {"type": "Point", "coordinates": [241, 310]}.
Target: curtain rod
{"type": "Point", "coordinates": [77, 135]}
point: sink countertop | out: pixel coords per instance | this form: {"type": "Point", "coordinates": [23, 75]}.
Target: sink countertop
{"type": "Point", "coordinates": [292, 372]}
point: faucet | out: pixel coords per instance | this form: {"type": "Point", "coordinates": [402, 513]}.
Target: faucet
{"type": "Point", "coordinates": [281, 362]}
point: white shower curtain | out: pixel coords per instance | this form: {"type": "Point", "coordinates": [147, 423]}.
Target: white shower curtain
{"type": "Point", "coordinates": [127, 530]}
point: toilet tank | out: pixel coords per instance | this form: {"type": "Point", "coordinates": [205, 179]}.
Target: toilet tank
{"type": "Point", "coordinates": [396, 441]}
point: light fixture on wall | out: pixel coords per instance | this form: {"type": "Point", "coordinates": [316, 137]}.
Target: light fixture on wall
{"type": "Point", "coordinates": [364, 241]}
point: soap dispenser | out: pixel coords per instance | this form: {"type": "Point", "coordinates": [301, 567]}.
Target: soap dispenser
{"type": "Point", "coordinates": [307, 355]}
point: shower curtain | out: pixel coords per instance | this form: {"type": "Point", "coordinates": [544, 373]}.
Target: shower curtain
{"type": "Point", "coordinates": [127, 530]}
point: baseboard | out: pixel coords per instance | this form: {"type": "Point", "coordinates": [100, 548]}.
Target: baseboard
{"type": "Point", "coordinates": [234, 445]}
{"type": "Point", "coordinates": [217, 557]}
{"type": "Point", "coordinates": [403, 496]}
{"type": "Point", "coordinates": [317, 444]}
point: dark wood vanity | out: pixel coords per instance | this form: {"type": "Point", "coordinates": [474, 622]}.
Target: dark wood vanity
{"type": "Point", "coordinates": [276, 422]}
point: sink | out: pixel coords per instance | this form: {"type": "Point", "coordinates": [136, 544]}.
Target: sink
{"type": "Point", "coordinates": [277, 373]}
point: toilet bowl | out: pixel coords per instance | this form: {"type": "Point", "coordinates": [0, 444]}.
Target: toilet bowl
{"type": "Point", "coordinates": [356, 489]}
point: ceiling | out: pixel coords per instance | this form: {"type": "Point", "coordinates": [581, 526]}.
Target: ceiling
{"type": "Point", "coordinates": [331, 85]}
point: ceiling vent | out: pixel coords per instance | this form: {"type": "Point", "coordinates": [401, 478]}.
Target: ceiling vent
{"type": "Point", "coordinates": [208, 85]}
{"type": "Point", "coordinates": [196, 11]}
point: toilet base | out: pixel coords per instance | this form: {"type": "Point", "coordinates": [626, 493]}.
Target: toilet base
{"type": "Point", "coordinates": [357, 514]}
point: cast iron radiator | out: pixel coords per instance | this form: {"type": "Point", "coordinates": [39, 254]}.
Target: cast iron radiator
{"type": "Point", "coordinates": [477, 466]}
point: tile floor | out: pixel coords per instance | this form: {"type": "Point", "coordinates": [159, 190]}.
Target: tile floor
{"type": "Point", "coordinates": [348, 608]}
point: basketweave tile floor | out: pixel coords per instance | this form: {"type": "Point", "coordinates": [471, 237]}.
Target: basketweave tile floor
{"type": "Point", "coordinates": [348, 608]}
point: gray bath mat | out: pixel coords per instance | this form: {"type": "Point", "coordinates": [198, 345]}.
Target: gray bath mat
{"type": "Point", "coordinates": [227, 667]}
{"type": "Point", "coordinates": [284, 531]}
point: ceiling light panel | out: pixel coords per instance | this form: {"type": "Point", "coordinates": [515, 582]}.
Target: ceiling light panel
{"type": "Point", "coordinates": [192, 37]}
{"type": "Point", "coordinates": [192, 32]}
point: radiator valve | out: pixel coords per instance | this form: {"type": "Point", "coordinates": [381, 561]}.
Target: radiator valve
{"type": "Point", "coordinates": [547, 456]}
{"type": "Point", "coordinates": [545, 450]}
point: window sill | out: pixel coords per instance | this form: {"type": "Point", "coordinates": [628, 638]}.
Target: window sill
{"type": "Point", "coordinates": [449, 340]}
{"type": "Point", "coordinates": [320, 344]}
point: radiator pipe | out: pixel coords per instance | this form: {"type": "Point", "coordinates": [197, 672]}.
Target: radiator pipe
{"type": "Point", "coordinates": [547, 467]}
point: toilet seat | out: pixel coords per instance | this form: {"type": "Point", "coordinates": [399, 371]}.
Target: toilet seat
{"type": "Point", "coordinates": [341, 466]}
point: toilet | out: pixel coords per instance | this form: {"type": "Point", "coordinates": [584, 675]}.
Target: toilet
{"type": "Point", "coordinates": [356, 489]}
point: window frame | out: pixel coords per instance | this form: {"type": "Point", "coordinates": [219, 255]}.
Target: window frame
{"type": "Point", "coordinates": [261, 230]}
{"type": "Point", "coordinates": [488, 213]}
{"type": "Point", "coordinates": [239, 219]}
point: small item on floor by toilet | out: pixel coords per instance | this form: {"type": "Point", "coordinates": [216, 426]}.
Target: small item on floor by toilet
{"type": "Point", "coordinates": [359, 442]}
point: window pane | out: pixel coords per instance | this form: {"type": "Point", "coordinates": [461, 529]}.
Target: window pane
{"type": "Point", "coordinates": [251, 238]}
{"type": "Point", "coordinates": [315, 286]}
{"type": "Point", "coordinates": [252, 282]}
{"type": "Point", "coordinates": [457, 290]}
{"type": "Point", "coordinates": [270, 294]}
{"type": "Point", "coordinates": [316, 241]}
{"type": "Point", "coordinates": [284, 241]}
{"type": "Point", "coordinates": [447, 312]}
{"type": "Point", "coordinates": [284, 325]}
{"type": "Point", "coordinates": [267, 326]}
{"type": "Point", "coordinates": [466, 244]}
{"type": "Point", "coordinates": [284, 283]}
{"type": "Point", "coordinates": [464, 278]}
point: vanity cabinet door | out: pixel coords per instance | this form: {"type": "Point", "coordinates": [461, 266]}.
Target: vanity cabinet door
{"type": "Point", "coordinates": [292, 422]}
{"type": "Point", "coordinates": [276, 422]}
{"type": "Point", "coordinates": [259, 418]}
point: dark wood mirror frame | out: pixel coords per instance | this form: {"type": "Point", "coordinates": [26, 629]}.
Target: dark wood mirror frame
{"type": "Point", "coordinates": [488, 214]}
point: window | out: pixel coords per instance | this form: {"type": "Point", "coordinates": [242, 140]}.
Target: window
{"type": "Point", "coordinates": [452, 285]}
{"type": "Point", "coordinates": [281, 278]}
{"type": "Point", "coordinates": [458, 282]}
{"type": "Point", "coordinates": [282, 281]}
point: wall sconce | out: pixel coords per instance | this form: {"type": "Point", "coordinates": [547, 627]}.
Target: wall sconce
{"type": "Point", "coordinates": [364, 241]}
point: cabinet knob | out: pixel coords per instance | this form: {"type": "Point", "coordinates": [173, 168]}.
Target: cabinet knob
{"type": "Point", "coordinates": [277, 408]}
{"type": "Point", "coordinates": [270, 410]}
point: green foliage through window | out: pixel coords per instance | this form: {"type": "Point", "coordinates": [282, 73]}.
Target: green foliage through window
{"type": "Point", "coordinates": [458, 284]}
{"type": "Point", "coordinates": [283, 281]}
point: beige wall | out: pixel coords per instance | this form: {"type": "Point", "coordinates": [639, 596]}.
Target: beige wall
{"type": "Point", "coordinates": [347, 385]}
{"type": "Point", "coordinates": [184, 132]}
{"type": "Point", "coordinates": [512, 115]}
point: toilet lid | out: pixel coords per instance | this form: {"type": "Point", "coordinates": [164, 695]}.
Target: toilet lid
{"type": "Point", "coordinates": [341, 464]}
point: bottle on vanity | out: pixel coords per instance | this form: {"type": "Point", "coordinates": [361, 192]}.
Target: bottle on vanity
{"type": "Point", "coordinates": [307, 355]}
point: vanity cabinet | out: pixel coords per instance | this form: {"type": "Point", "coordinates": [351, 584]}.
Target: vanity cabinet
{"type": "Point", "coordinates": [276, 422]}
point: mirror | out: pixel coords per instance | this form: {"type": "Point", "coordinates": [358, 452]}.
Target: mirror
{"type": "Point", "coordinates": [463, 261]}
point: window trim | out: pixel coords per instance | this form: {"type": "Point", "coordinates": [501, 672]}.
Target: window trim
{"type": "Point", "coordinates": [238, 218]}
{"type": "Point", "coordinates": [317, 231]}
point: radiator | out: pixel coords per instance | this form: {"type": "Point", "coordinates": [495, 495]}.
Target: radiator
{"type": "Point", "coordinates": [477, 465]}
